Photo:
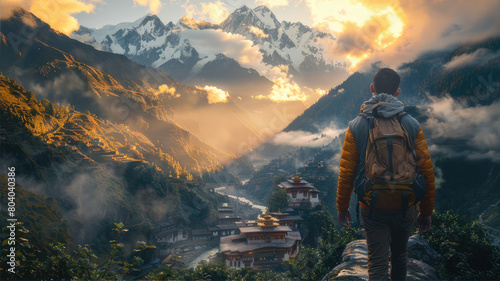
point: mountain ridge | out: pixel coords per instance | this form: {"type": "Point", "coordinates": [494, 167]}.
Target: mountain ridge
{"type": "Point", "coordinates": [281, 43]}
{"type": "Point", "coordinates": [98, 171]}
{"type": "Point", "coordinates": [109, 85]}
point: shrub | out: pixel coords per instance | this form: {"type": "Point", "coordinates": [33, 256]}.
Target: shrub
{"type": "Point", "coordinates": [314, 263]}
{"type": "Point", "coordinates": [466, 246]}
{"type": "Point", "coordinates": [215, 272]}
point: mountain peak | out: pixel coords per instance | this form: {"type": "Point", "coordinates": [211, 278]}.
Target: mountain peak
{"type": "Point", "coordinates": [153, 18]}
{"type": "Point", "coordinates": [266, 16]}
{"type": "Point", "coordinates": [243, 17]}
{"type": "Point", "coordinates": [25, 17]}
{"type": "Point", "coordinates": [262, 8]}
{"type": "Point", "coordinates": [241, 10]}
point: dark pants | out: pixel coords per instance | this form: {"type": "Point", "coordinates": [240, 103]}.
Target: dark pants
{"type": "Point", "coordinates": [383, 232]}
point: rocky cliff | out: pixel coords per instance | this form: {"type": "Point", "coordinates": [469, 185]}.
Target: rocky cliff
{"type": "Point", "coordinates": [422, 262]}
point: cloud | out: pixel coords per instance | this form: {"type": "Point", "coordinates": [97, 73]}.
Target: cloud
{"type": "Point", "coordinates": [193, 24]}
{"type": "Point", "coordinates": [214, 94]}
{"type": "Point", "coordinates": [236, 46]}
{"type": "Point", "coordinates": [273, 3]}
{"type": "Point", "coordinates": [7, 7]}
{"type": "Point", "coordinates": [164, 89]}
{"type": "Point", "coordinates": [212, 12]}
{"type": "Point", "coordinates": [257, 32]}
{"type": "Point", "coordinates": [399, 31]}
{"type": "Point", "coordinates": [307, 139]}
{"type": "Point", "coordinates": [438, 177]}
{"type": "Point", "coordinates": [286, 90]}
{"type": "Point", "coordinates": [359, 29]}
{"type": "Point", "coordinates": [231, 45]}
{"type": "Point", "coordinates": [478, 57]}
{"type": "Point", "coordinates": [435, 25]}
{"type": "Point", "coordinates": [459, 131]}
{"type": "Point", "coordinates": [58, 13]}
{"type": "Point", "coordinates": [154, 5]}
{"type": "Point", "coordinates": [67, 88]}
{"type": "Point", "coordinates": [355, 41]}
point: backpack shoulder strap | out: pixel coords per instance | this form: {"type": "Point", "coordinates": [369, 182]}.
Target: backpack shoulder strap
{"type": "Point", "coordinates": [366, 115]}
{"type": "Point", "coordinates": [401, 115]}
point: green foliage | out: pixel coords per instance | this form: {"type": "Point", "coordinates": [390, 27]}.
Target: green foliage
{"type": "Point", "coordinates": [198, 208]}
{"type": "Point", "coordinates": [466, 247]}
{"type": "Point", "coordinates": [314, 263]}
{"type": "Point", "coordinates": [215, 272]}
{"type": "Point", "coordinates": [38, 213]}
{"type": "Point", "coordinates": [279, 179]}
{"type": "Point", "coordinates": [192, 205]}
{"type": "Point", "coordinates": [317, 223]}
{"type": "Point", "coordinates": [278, 200]}
{"type": "Point", "coordinates": [60, 263]}
{"type": "Point", "coordinates": [149, 176]}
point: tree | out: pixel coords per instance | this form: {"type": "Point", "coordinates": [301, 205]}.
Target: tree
{"type": "Point", "coordinates": [319, 222]}
{"type": "Point", "coordinates": [278, 200]}
{"type": "Point", "coordinates": [279, 178]}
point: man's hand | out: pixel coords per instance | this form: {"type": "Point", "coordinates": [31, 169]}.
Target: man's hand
{"type": "Point", "coordinates": [423, 223]}
{"type": "Point", "coordinates": [344, 218]}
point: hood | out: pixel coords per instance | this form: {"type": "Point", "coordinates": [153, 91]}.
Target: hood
{"type": "Point", "coordinates": [391, 106]}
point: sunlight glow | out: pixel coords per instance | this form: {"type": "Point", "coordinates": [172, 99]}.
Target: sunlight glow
{"type": "Point", "coordinates": [366, 26]}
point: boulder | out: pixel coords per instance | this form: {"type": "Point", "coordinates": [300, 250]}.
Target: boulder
{"type": "Point", "coordinates": [355, 251]}
{"type": "Point", "coordinates": [354, 266]}
{"type": "Point", "coordinates": [418, 270]}
{"type": "Point", "coordinates": [420, 250]}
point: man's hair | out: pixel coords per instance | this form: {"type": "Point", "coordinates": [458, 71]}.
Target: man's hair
{"type": "Point", "coordinates": [386, 81]}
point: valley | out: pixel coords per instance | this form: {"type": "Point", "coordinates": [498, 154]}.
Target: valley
{"type": "Point", "coordinates": [172, 149]}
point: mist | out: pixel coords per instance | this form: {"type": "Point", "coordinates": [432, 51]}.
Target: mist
{"type": "Point", "coordinates": [455, 130]}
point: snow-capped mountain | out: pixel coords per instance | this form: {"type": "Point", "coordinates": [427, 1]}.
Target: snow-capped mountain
{"type": "Point", "coordinates": [284, 43]}
{"type": "Point", "coordinates": [171, 48]}
{"type": "Point", "coordinates": [280, 43]}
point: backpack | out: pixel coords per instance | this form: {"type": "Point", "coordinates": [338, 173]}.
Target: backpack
{"type": "Point", "coordinates": [390, 162]}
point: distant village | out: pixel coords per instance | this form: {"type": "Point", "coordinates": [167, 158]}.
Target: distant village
{"type": "Point", "coordinates": [260, 244]}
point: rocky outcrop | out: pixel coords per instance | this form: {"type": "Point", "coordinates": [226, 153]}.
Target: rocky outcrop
{"type": "Point", "coordinates": [422, 262]}
{"type": "Point", "coordinates": [420, 250]}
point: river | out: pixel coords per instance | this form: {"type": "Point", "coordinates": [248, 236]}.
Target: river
{"type": "Point", "coordinates": [221, 190]}
{"type": "Point", "coordinates": [495, 233]}
{"type": "Point", "coordinates": [205, 256]}
{"type": "Point", "coordinates": [210, 252]}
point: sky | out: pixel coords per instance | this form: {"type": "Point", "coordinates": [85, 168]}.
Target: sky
{"type": "Point", "coordinates": [117, 11]}
{"type": "Point", "coordinates": [366, 31]}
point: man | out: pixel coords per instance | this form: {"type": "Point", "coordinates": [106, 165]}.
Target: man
{"type": "Point", "coordinates": [387, 225]}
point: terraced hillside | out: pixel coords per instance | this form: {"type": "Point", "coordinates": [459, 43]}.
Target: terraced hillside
{"type": "Point", "coordinates": [100, 172]}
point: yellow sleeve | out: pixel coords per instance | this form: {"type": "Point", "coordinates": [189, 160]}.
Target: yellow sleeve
{"type": "Point", "coordinates": [349, 161]}
{"type": "Point", "coordinates": [424, 164]}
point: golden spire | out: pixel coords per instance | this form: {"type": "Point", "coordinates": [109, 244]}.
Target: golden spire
{"type": "Point", "coordinates": [296, 178]}
{"type": "Point", "coordinates": [267, 221]}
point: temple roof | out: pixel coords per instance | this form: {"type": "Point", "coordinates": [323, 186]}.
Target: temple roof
{"type": "Point", "coordinates": [257, 229]}
{"type": "Point", "coordinates": [238, 243]}
{"type": "Point", "coordinates": [296, 182]}
{"type": "Point", "coordinates": [267, 221]}
{"type": "Point", "coordinates": [201, 232]}
{"type": "Point", "coordinates": [228, 216]}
